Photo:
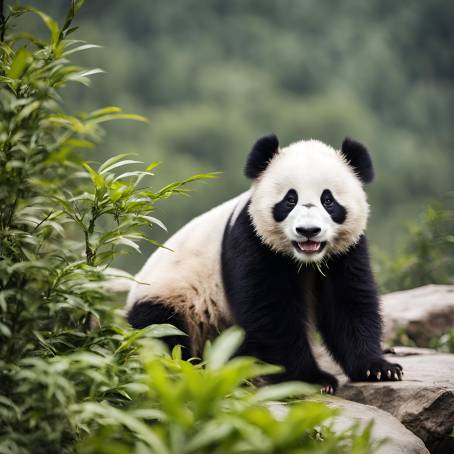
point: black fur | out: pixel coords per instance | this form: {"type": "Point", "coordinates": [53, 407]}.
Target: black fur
{"type": "Point", "coordinates": [359, 158]}
{"type": "Point", "coordinates": [283, 208]}
{"type": "Point", "coordinates": [260, 155]}
{"type": "Point", "coordinates": [337, 212]}
{"type": "Point", "coordinates": [145, 313]}
{"type": "Point", "coordinates": [348, 314]}
{"type": "Point", "coordinates": [265, 293]}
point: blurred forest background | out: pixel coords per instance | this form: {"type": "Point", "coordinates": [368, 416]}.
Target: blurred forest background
{"type": "Point", "coordinates": [213, 75]}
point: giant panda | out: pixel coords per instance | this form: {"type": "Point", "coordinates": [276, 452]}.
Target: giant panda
{"type": "Point", "coordinates": [289, 253]}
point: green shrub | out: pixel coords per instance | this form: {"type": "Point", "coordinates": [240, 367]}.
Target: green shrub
{"type": "Point", "coordinates": [444, 343]}
{"type": "Point", "coordinates": [71, 373]}
{"type": "Point", "coordinates": [203, 409]}
{"type": "Point", "coordinates": [427, 257]}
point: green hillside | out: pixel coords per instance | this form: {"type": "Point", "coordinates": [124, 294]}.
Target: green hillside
{"type": "Point", "coordinates": [214, 75]}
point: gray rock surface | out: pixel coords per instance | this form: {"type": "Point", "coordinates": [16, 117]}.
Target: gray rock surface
{"type": "Point", "coordinates": [399, 440]}
{"type": "Point", "coordinates": [423, 401]}
{"type": "Point", "coordinates": [423, 312]}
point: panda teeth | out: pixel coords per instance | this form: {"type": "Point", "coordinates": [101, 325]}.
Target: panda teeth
{"type": "Point", "coordinates": [309, 246]}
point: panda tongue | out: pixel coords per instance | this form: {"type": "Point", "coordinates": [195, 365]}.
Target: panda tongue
{"type": "Point", "coordinates": [310, 246]}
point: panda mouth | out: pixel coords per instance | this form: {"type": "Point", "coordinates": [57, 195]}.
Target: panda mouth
{"type": "Point", "coordinates": [309, 247]}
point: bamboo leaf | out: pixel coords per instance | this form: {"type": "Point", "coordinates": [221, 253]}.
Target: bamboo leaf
{"type": "Point", "coordinates": [224, 347]}
{"type": "Point", "coordinates": [49, 22]}
{"type": "Point", "coordinates": [97, 179]}
{"type": "Point", "coordinates": [119, 164]}
{"type": "Point", "coordinates": [153, 220]}
{"type": "Point", "coordinates": [80, 48]}
{"type": "Point", "coordinates": [21, 59]}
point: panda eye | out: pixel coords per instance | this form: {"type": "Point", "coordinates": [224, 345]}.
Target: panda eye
{"type": "Point", "coordinates": [291, 200]}
{"type": "Point", "coordinates": [328, 202]}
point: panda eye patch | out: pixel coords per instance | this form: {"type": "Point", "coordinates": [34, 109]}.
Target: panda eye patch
{"type": "Point", "coordinates": [282, 209]}
{"type": "Point", "coordinates": [327, 198]}
{"type": "Point", "coordinates": [337, 212]}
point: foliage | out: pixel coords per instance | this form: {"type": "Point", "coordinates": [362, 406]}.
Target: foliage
{"type": "Point", "coordinates": [61, 222]}
{"type": "Point", "coordinates": [403, 339]}
{"type": "Point", "coordinates": [428, 255]}
{"type": "Point", "coordinates": [202, 409]}
{"type": "Point", "coordinates": [444, 343]}
{"type": "Point", "coordinates": [70, 372]}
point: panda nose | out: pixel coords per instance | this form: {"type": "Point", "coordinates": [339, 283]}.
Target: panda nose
{"type": "Point", "coordinates": [308, 232]}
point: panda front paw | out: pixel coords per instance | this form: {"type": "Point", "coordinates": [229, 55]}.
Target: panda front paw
{"type": "Point", "coordinates": [378, 370]}
{"type": "Point", "coordinates": [328, 383]}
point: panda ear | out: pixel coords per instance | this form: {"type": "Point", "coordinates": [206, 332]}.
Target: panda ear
{"type": "Point", "coordinates": [260, 155]}
{"type": "Point", "coordinates": [358, 157]}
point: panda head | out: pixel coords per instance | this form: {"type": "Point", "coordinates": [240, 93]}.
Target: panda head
{"type": "Point", "coordinates": [308, 199]}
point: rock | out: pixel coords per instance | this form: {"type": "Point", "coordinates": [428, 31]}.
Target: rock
{"type": "Point", "coordinates": [399, 439]}
{"type": "Point", "coordinates": [422, 313]}
{"type": "Point", "coordinates": [423, 401]}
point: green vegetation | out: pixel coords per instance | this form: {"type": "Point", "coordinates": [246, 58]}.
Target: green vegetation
{"type": "Point", "coordinates": [427, 256]}
{"type": "Point", "coordinates": [444, 343]}
{"type": "Point", "coordinates": [186, 408]}
{"type": "Point", "coordinates": [73, 377]}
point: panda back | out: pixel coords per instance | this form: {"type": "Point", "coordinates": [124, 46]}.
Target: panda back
{"type": "Point", "coordinates": [188, 276]}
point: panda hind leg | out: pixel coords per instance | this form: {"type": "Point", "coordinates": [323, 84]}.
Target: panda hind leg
{"type": "Point", "coordinates": [149, 312]}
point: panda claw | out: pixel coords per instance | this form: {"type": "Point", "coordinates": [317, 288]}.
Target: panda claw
{"type": "Point", "coordinates": [378, 375]}
{"type": "Point", "coordinates": [328, 389]}
{"type": "Point", "coordinates": [389, 373]}
{"type": "Point", "coordinates": [368, 374]}
{"type": "Point", "coordinates": [396, 377]}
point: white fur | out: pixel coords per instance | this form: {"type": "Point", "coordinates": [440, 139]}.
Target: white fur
{"type": "Point", "coordinates": [309, 167]}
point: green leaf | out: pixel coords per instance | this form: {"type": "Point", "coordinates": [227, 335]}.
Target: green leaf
{"type": "Point", "coordinates": [20, 62]}
{"type": "Point", "coordinates": [125, 242]}
{"type": "Point", "coordinates": [283, 391]}
{"type": "Point", "coordinates": [224, 347]}
{"type": "Point", "coordinates": [80, 48]}
{"type": "Point", "coordinates": [162, 330]}
{"type": "Point", "coordinates": [152, 165]}
{"type": "Point", "coordinates": [153, 220]}
{"type": "Point", "coordinates": [97, 179]}
{"type": "Point", "coordinates": [6, 80]}
{"type": "Point", "coordinates": [82, 76]}
{"type": "Point", "coordinates": [210, 434]}
{"type": "Point", "coordinates": [49, 22]}
{"type": "Point", "coordinates": [4, 330]}
{"type": "Point", "coordinates": [133, 424]}
{"type": "Point", "coordinates": [119, 164]}
{"type": "Point", "coordinates": [119, 116]}
{"type": "Point", "coordinates": [113, 160]}
{"type": "Point", "coordinates": [135, 173]}
{"type": "Point", "coordinates": [27, 111]}
{"type": "Point", "coordinates": [103, 112]}
{"type": "Point", "coordinates": [75, 6]}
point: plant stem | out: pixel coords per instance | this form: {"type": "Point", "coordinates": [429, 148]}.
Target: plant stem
{"type": "Point", "coordinates": [2, 21]}
{"type": "Point", "coordinates": [89, 253]}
